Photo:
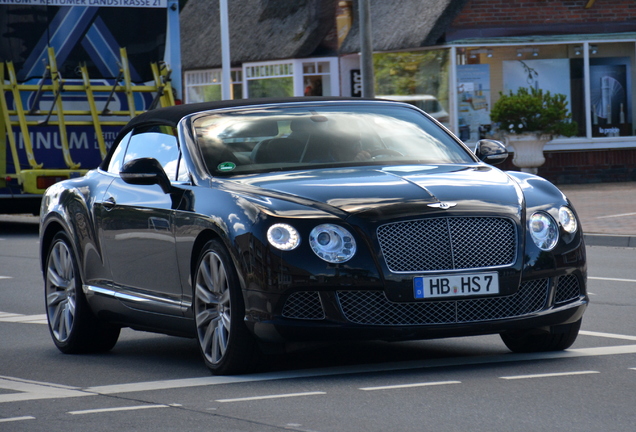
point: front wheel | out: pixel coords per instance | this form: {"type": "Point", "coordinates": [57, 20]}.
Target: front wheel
{"type": "Point", "coordinates": [557, 339]}
{"type": "Point", "coordinates": [72, 325]}
{"type": "Point", "coordinates": [225, 343]}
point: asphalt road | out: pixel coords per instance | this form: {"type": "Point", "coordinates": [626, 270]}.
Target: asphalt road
{"type": "Point", "coordinates": [159, 383]}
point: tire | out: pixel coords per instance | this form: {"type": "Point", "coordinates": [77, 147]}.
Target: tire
{"type": "Point", "coordinates": [559, 338]}
{"type": "Point", "coordinates": [72, 325]}
{"type": "Point", "coordinates": [224, 341]}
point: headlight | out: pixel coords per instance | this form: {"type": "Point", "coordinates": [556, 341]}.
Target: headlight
{"type": "Point", "coordinates": [283, 237]}
{"type": "Point", "coordinates": [567, 220]}
{"type": "Point", "coordinates": [544, 231]}
{"type": "Point", "coordinates": [332, 243]}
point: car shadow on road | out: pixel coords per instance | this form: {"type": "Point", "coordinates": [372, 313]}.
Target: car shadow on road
{"type": "Point", "coordinates": [18, 228]}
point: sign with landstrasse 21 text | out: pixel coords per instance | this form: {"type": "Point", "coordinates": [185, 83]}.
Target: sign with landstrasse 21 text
{"type": "Point", "coordinates": [90, 3]}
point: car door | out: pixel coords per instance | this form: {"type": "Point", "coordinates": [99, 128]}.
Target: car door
{"type": "Point", "coordinates": [137, 228]}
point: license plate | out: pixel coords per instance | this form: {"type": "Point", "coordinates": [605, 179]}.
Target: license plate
{"type": "Point", "coordinates": [447, 286]}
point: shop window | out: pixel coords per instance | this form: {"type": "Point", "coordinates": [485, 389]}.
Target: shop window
{"type": "Point", "coordinates": [482, 73]}
{"type": "Point", "coordinates": [316, 78]}
{"type": "Point", "coordinates": [269, 80]}
{"type": "Point", "coordinates": [611, 91]}
{"type": "Point", "coordinates": [204, 86]}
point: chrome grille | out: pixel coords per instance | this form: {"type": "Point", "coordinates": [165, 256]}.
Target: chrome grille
{"type": "Point", "coordinates": [304, 305]}
{"type": "Point", "coordinates": [373, 308]}
{"type": "Point", "coordinates": [452, 243]}
{"type": "Point", "coordinates": [567, 289]}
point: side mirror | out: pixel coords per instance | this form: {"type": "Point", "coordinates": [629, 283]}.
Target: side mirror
{"type": "Point", "coordinates": [145, 171]}
{"type": "Point", "coordinates": [490, 151]}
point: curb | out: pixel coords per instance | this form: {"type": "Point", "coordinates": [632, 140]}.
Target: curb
{"type": "Point", "coordinates": [609, 240]}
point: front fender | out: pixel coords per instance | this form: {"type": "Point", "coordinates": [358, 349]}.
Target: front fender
{"type": "Point", "coordinates": [541, 195]}
{"type": "Point", "coordinates": [66, 207]}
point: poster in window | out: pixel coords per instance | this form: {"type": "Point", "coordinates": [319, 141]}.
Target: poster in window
{"type": "Point", "coordinates": [473, 92]}
{"type": "Point", "coordinates": [551, 75]}
{"type": "Point", "coordinates": [609, 87]}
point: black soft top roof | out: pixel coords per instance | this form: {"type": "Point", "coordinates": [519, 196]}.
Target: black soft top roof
{"type": "Point", "coordinates": [171, 115]}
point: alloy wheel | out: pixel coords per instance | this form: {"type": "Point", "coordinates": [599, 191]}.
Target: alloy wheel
{"type": "Point", "coordinates": [212, 307]}
{"type": "Point", "coordinates": [61, 294]}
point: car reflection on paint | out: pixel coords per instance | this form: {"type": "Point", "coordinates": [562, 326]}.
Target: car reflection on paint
{"type": "Point", "coordinates": [261, 222]}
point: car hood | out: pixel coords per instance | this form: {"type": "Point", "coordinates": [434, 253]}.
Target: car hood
{"type": "Point", "coordinates": [396, 191]}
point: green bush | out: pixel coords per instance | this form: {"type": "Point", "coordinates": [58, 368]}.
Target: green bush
{"type": "Point", "coordinates": [532, 110]}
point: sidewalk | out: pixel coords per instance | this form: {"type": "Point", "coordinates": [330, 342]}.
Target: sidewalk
{"type": "Point", "coordinates": [607, 212]}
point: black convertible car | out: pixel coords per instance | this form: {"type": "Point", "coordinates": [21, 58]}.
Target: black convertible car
{"type": "Point", "coordinates": [258, 222]}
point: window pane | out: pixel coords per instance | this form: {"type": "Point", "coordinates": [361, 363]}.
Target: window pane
{"type": "Point", "coordinates": [294, 137]}
{"type": "Point", "coordinates": [116, 161]}
{"type": "Point", "coordinates": [423, 74]}
{"type": "Point", "coordinates": [611, 92]}
{"type": "Point", "coordinates": [204, 93]}
{"type": "Point", "coordinates": [271, 87]}
{"type": "Point", "coordinates": [158, 142]}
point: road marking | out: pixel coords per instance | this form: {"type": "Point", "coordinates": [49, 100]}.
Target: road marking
{"type": "Point", "coordinates": [130, 408]}
{"type": "Point", "coordinates": [6, 277]}
{"type": "Point", "coordinates": [12, 419]}
{"type": "Point", "coordinates": [612, 279]}
{"type": "Point", "coordinates": [615, 216]}
{"type": "Point", "coordinates": [31, 390]}
{"type": "Point", "coordinates": [253, 398]}
{"type": "Point", "coordinates": [548, 375]}
{"type": "Point", "coordinates": [401, 386]}
{"type": "Point", "coordinates": [370, 368]}
{"type": "Point", "coordinates": [19, 318]}
{"type": "Point", "coordinates": [607, 335]}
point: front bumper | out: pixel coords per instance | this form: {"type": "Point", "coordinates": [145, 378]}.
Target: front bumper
{"type": "Point", "coordinates": [359, 314]}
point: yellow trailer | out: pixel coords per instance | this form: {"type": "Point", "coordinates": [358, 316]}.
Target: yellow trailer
{"type": "Point", "coordinates": [24, 119]}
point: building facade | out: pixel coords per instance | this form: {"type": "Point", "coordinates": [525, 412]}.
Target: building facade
{"type": "Point", "coordinates": [459, 55]}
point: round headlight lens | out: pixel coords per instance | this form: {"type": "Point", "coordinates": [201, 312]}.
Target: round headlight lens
{"type": "Point", "coordinates": [568, 220]}
{"type": "Point", "coordinates": [283, 236]}
{"type": "Point", "coordinates": [332, 243]}
{"type": "Point", "coordinates": [543, 230]}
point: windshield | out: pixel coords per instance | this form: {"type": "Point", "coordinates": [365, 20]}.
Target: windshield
{"type": "Point", "coordinates": [321, 135]}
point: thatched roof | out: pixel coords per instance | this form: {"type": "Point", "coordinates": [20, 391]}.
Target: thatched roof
{"type": "Point", "coordinates": [278, 29]}
{"type": "Point", "coordinates": [404, 24]}
{"type": "Point", "coordinates": [259, 30]}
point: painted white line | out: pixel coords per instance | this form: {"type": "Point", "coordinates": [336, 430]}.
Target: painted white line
{"type": "Point", "coordinates": [12, 419]}
{"type": "Point", "coordinates": [633, 368]}
{"type": "Point", "coordinates": [253, 398]}
{"type": "Point", "coordinates": [48, 391]}
{"type": "Point", "coordinates": [130, 408]}
{"type": "Point", "coordinates": [27, 319]}
{"type": "Point", "coordinates": [548, 375]}
{"type": "Point", "coordinates": [401, 386]}
{"type": "Point", "coordinates": [371, 368]}
{"type": "Point", "coordinates": [32, 390]}
{"type": "Point", "coordinates": [607, 335]}
{"type": "Point", "coordinates": [6, 277]}
{"type": "Point", "coordinates": [612, 279]}
{"type": "Point", "coordinates": [615, 216]}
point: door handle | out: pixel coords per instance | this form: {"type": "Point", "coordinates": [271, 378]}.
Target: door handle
{"type": "Point", "coordinates": [109, 203]}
